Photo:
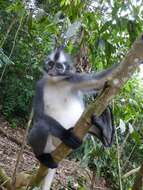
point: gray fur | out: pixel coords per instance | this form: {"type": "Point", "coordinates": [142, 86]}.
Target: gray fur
{"type": "Point", "coordinates": [58, 105]}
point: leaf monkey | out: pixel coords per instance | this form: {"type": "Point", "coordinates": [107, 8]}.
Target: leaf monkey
{"type": "Point", "coordinates": [58, 105]}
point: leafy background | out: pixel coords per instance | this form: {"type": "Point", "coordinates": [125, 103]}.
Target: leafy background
{"type": "Point", "coordinates": [28, 32]}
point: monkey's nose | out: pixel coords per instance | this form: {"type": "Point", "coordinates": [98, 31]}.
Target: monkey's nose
{"type": "Point", "coordinates": [52, 72]}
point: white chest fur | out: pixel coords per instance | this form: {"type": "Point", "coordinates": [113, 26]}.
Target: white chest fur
{"type": "Point", "coordinates": [62, 105]}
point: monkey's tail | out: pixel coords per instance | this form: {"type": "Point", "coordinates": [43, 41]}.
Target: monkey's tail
{"type": "Point", "coordinates": [49, 179]}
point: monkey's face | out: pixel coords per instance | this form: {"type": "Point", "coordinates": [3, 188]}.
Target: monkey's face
{"type": "Point", "coordinates": [58, 64]}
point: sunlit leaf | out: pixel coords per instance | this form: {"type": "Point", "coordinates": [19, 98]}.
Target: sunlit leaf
{"type": "Point", "coordinates": [131, 129]}
{"type": "Point", "coordinates": [122, 126]}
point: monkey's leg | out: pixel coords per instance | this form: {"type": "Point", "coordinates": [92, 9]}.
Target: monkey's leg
{"type": "Point", "coordinates": [39, 138]}
{"type": "Point", "coordinates": [66, 136]}
{"type": "Point", "coordinates": [49, 179]}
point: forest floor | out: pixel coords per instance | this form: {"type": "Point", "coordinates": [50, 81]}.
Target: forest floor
{"type": "Point", "coordinates": [69, 172]}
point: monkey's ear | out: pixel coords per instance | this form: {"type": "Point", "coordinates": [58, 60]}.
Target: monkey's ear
{"type": "Point", "coordinates": [103, 127]}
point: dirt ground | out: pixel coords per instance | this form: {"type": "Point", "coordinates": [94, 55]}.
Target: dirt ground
{"type": "Point", "coordinates": [68, 172]}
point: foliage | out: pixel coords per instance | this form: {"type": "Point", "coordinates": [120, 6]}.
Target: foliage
{"type": "Point", "coordinates": [108, 30]}
{"type": "Point", "coordinates": [129, 106]}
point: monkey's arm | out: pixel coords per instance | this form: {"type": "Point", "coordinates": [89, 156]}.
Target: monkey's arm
{"type": "Point", "coordinates": [103, 127]}
{"type": "Point", "coordinates": [38, 138]}
{"type": "Point", "coordinates": [84, 81]}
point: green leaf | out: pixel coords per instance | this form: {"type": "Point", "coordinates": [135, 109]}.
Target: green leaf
{"type": "Point", "coordinates": [136, 136]}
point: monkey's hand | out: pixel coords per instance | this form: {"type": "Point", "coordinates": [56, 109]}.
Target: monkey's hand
{"type": "Point", "coordinates": [70, 139]}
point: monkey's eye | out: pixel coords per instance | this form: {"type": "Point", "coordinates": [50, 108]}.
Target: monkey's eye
{"type": "Point", "coordinates": [50, 64]}
{"type": "Point", "coordinates": [60, 66]}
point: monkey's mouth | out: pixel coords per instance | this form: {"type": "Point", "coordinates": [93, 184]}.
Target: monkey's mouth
{"type": "Point", "coordinates": [52, 75]}
{"type": "Point", "coordinates": [56, 78]}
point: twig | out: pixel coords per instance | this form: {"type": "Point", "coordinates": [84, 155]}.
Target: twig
{"type": "Point", "coordinates": [118, 156]}
{"type": "Point", "coordinates": [126, 138]}
{"type": "Point", "coordinates": [88, 173]}
{"type": "Point", "coordinates": [135, 170]}
{"type": "Point", "coordinates": [127, 160]}
{"type": "Point", "coordinates": [21, 150]}
{"type": "Point", "coordinates": [13, 46]}
{"type": "Point", "coordinates": [8, 31]}
{"type": "Point", "coordinates": [123, 144]}
{"type": "Point", "coordinates": [4, 58]}
{"type": "Point", "coordinates": [93, 180]}
{"type": "Point", "coordinates": [4, 180]}
{"type": "Point", "coordinates": [16, 34]}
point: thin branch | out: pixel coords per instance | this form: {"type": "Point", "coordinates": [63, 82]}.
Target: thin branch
{"type": "Point", "coordinates": [123, 144]}
{"type": "Point", "coordinates": [131, 172]}
{"type": "Point", "coordinates": [8, 31]}
{"type": "Point", "coordinates": [13, 46]}
{"type": "Point", "coordinates": [4, 58]}
{"type": "Point", "coordinates": [129, 157]}
{"type": "Point", "coordinates": [93, 180]}
{"type": "Point", "coordinates": [21, 150]}
{"type": "Point", "coordinates": [16, 34]}
{"type": "Point", "coordinates": [5, 181]}
{"type": "Point", "coordinates": [126, 138]}
{"type": "Point", "coordinates": [118, 156]}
